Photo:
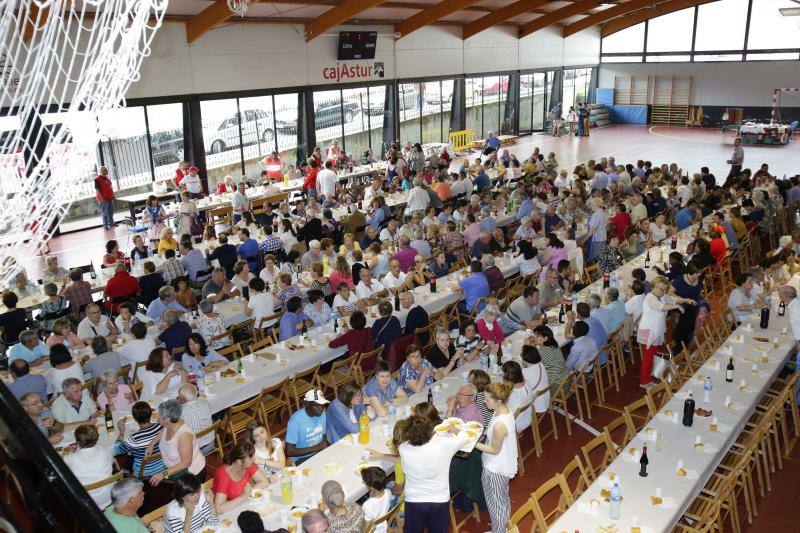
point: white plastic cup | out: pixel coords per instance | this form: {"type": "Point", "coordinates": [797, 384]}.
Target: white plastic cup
{"type": "Point", "coordinates": [680, 464]}
{"type": "Point", "coordinates": [727, 400]}
{"type": "Point", "coordinates": [698, 440]}
{"type": "Point", "coordinates": [743, 383]}
{"type": "Point", "coordinates": [658, 492]}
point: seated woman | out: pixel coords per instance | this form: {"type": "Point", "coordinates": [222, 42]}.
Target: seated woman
{"type": "Point", "coordinates": [610, 257]}
{"type": "Point", "coordinates": [15, 320]}
{"type": "Point", "coordinates": [190, 508]}
{"type": "Point", "coordinates": [317, 310]}
{"type": "Point", "coordinates": [236, 479]}
{"type": "Point", "coordinates": [62, 366]}
{"type": "Point", "coordinates": [91, 463]}
{"type": "Point", "coordinates": [161, 376]}
{"type": "Point", "coordinates": [117, 394]}
{"type": "Point", "coordinates": [269, 452]}
{"type": "Point", "coordinates": [357, 338]}
{"type": "Point", "coordinates": [344, 412]}
{"type": "Point", "coordinates": [184, 294]}
{"type": "Point", "coordinates": [439, 266]}
{"type": "Point", "coordinates": [527, 259]}
{"type": "Point", "coordinates": [343, 516]}
{"type": "Point", "coordinates": [382, 390]}
{"type": "Point", "coordinates": [113, 255]}
{"type": "Point", "coordinates": [64, 332]}
{"type": "Point", "coordinates": [489, 329]}
{"type": "Point", "coordinates": [520, 396]}
{"type": "Point", "coordinates": [416, 373]}
{"type": "Point", "coordinates": [387, 328]}
{"type": "Point", "coordinates": [199, 355]}
{"type": "Point", "coordinates": [167, 241]}
{"type": "Point", "coordinates": [418, 274]}
{"type": "Point", "coordinates": [443, 355]}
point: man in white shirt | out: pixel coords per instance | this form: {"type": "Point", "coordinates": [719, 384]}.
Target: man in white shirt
{"type": "Point", "coordinates": [390, 232]}
{"type": "Point", "coordinates": [326, 181]}
{"type": "Point", "coordinates": [418, 198]}
{"type": "Point", "coordinates": [684, 191]}
{"type": "Point", "coordinates": [370, 192]}
{"type": "Point", "coordinates": [138, 349]}
{"type": "Point", "coordinates": [624, 178]}
{"type": "Point", "coordinates": [96, 324]}
{"type": "Point", "coordinates": [741, 301]}
{"type": "Point", "coordinates": [638, 209]}
{"type": "Point", "coordinates": [395, 277]}
{"type": "Point", "coordinates": [91, 463]}
{"type": "Point", "coordinates": [563, 180]}
{"type": "Point", "coordinates": [369, 289]}
{"type": "Point", "coordinates": [261, 303]}
{"type": "Point", "coordinates": [788, 296]}
{"type": "Point", "coordinates": [74, 406]}
{"type": "Point", "coordinates": [192, 183]}
{"type": "Point", "coordinates": [239, 202]}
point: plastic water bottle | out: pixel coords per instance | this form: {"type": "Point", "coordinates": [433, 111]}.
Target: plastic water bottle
{"type": "Point", "coordinates": [485, 360]}
{"type": "Point", "coordinates": [201, 378]}
{"type": "Point", "coordinates": [614, 279]}
{"type": "Point", "coordinates": [392, 409]}
{"type": "Point", "coordinates": [615, 505]}
{"type": "Point", "coordinates": [707, 386]}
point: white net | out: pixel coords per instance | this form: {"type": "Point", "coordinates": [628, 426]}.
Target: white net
{"type": "Point", "coordinates": [58, 56]}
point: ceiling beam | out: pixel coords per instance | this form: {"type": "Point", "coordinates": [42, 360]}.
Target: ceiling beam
{"type": "Point", "coordinates": [214, 14]}
{"type": "Point", "coordinates": [608, 14]}
{"type": "Point", "coordinates": [501, 15]}
{"type": "Point", "coordinates": [393, 5]}
{"type": "Point", "coordinates": [621, 23]}
{"type": "Point", "coordinates": [431, 15]}
{"type": "Point", "coordinates": [332, 17]}
{"type": "Point", "coordinates": [557, 16]}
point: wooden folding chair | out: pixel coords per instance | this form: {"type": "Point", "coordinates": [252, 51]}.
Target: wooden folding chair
{"type": "Point", "coordinates": [659, 395]}
{"type": "Point", "coordinates": [103, 482]}
{"type": "Point", "coordinates": [213, 428]}
{"type": "Point", "coordinates": [591, 273]}
{"type": "Point", "coordinates": [268, 322]}
{"type": "Point", "coordinates": [247, 326]}
{"type": "Point", "coordinates": [619, 432]}
{"type": "Point", "coordinates": [239, 416]}
{"type": "Point", "coordinates": [544, 518]}
{"type": "Point", "coordinates": [565, 390]}
{"type": "Point", "coordinates": [583, 380]}
{"type": "Point", "coordinates": [232, 352]}
{"type": "Point", "coordinates": [536, 421]}
{"type": "Point", "coordinates": [575, 468]}
{"type": "Point", "coordinates": [303, 382]}
{"type": "Point", "coordinates": [365, 366]}
{"type": "Point", "coordinates": [342, 371]}
{"type": "Point", "coordinates": [260, 344]}
{"type": "Point", "coordinates": [136, 373]}
{"type": "Point", "coordinates": [520, 457]}
{"type": "Point", "coordinates": [158, 514]}
{"type": "Point", "coordinates": [603, 451]}
{"type": "Point", "coordinates": [638, 413]}
{"type": "Point", "coordinates": [143, 466]}
{"type": "Point", "coordinates": [469, 318]}
{"type": "Point", "coordinates": [519, 515]}
{"type": "Point", "coordinates": [389, 519]}
{"type": "Point", "coordinates": [274, 401]}
{"type": "Point", "coordinates": [458, 525]}
{"type": "Point", "coordinates": [225, 335]}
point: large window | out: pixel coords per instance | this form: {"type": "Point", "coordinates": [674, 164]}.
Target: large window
{"type": "Point", "coordinates": [532, 98]}
{"type": "Point", "coordinates": [166, 138]}
{"type": "Point", "coordinates": [123, 141]}
{"type": "Point", "coordinates": [221, 134]}
{"type": "Point", "coordinates": [713, 31]}
{"type": "Point", "coordinates": [576, 86]}
{"type": "Point", "coordinates": [486, 103]}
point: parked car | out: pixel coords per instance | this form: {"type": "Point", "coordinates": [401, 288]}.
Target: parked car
{"type": "Point", "coordinates": [331, 113]}
{"type": "Point", "coordinates": [407, 100]}
{"type": "Point", "coordinates": [167, 146]}
{"type": "Point", "coordinates": [257, 127]}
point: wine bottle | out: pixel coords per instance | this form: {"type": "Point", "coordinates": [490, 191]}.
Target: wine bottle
{"type": "Point", "coordinates": [643, 462]}
{"type": "Point", "coordinates": [781, 308]}
{"type": "Point", "coordinates": [561, 314]}
{"type": "Point", "coordinates": [397, 299]}
{"type": "Point", "coordinates": [729, 371]}
{"type": "Point", "coordinates": [674, 244]}
{"type": "Point", "coordinates": [606, 281]}
{"type": "Point", "coordinates": [430, 396]}
{"type": "Point", "coordinates": [688, 411]}
{"type": "Point", "coordinates": [647, 260]}
{"type": "Point", "coordinates": [239, 367]}
{"type": "Point", "coordinates": [433, 284]}
{"type": "Point", "coordinates": [335, 325]}
{"type": "Point", "coordinates": [109, 417]}
{"type": "Point", "coordinates": [764, 323]}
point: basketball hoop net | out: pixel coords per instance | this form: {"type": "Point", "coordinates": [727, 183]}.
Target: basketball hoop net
{"type": "Point", "coordinates": [66, 57]}
{"type": "Point", "coordinates": [238, 7]}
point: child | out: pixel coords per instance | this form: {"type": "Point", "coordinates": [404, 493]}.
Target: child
{"type": "Point", "coordinates": [380, 499]}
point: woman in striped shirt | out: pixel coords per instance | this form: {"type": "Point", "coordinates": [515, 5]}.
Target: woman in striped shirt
{"type": "Point", "coordinates": [191, 508]}
{"type": "Point", "coordinates": [135, 444]}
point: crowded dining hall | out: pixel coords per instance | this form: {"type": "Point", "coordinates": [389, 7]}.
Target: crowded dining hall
{"type": "Point", "coordinates": [274, 308]}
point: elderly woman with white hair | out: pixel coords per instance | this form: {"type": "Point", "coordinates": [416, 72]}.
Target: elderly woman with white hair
{"type": "Point", "coordinates": [597, 228]}
{"type": "Point", "coordinates": [118, 394]}
{"type": "Point", "coordinates": [178, 445]}
{"type": "Point", "coordinates": [210, 324]}
{"type": "Point", "coordinates": [488, 327]}
{"type": "Point", "coordinates": [343, 516]}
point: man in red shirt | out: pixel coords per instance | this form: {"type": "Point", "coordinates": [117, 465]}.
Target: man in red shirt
{"type": "Point", "coordinates": [121, 286]}
{"type": "Point", "coordinates": [310, 183]}
{"type": "Point", "coordinates": [104, 192]}
{"type": "Point", "coordinates": [621, 221]}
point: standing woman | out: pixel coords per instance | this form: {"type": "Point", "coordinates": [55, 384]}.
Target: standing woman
{"type": "Point", "coordinates": [154, 215]}
{"type": "Point", "coordinates": [688, 286]}
{"type": "Point", "coordinates": [187, 213]}
{"type": "Point", "coordinates": [653, 325]}
{"type": "Point", "coordinates": [572, 119]}
{"type": "Point", "coordinates": [597, 228]}
{"type": "Point", "coordinates": [499, 455]}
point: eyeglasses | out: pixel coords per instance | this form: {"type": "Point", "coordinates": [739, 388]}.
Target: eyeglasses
{"type": "Point", "coordinates": [466, 395]}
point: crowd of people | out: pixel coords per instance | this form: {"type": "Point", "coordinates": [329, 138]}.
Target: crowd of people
{"type": "Point", "coordinates": [297, 267]}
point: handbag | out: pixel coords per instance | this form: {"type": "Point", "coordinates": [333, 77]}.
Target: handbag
{"type": "Point", "coordinates": [660, 365]}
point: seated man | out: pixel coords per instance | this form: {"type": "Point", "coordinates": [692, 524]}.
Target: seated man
{"type": "Point", "coordinates": [96, 324]}
{"type": "Point", "coordinates": [29, 348]}
{"type": "Point", "coordinates": [473, 287]}
{"type": "Point", "coordinates": [176, 331]}
{"type": "Point", "coordinates": [305, 432]}
{"type": "Point", "coordinates": [25, 382]}
{"type": "Point", "coordinates": [368, 289]}
{"type": "Point", "coordinates": [42, 418]}
{"type": "Point", "coordinates": [523, 312]}
{"type": "Point", "coordinates": [75, 406]}
{"type": "Point", "coordinates": [166, 300]}
{"type": "Point", "coordinates": [583, 348]}
{"type": "Point", "coordinates": [463, 405]}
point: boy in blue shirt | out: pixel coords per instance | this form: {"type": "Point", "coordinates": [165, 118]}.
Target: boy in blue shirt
{"type": "Point", "coordinates": [305, 432]}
